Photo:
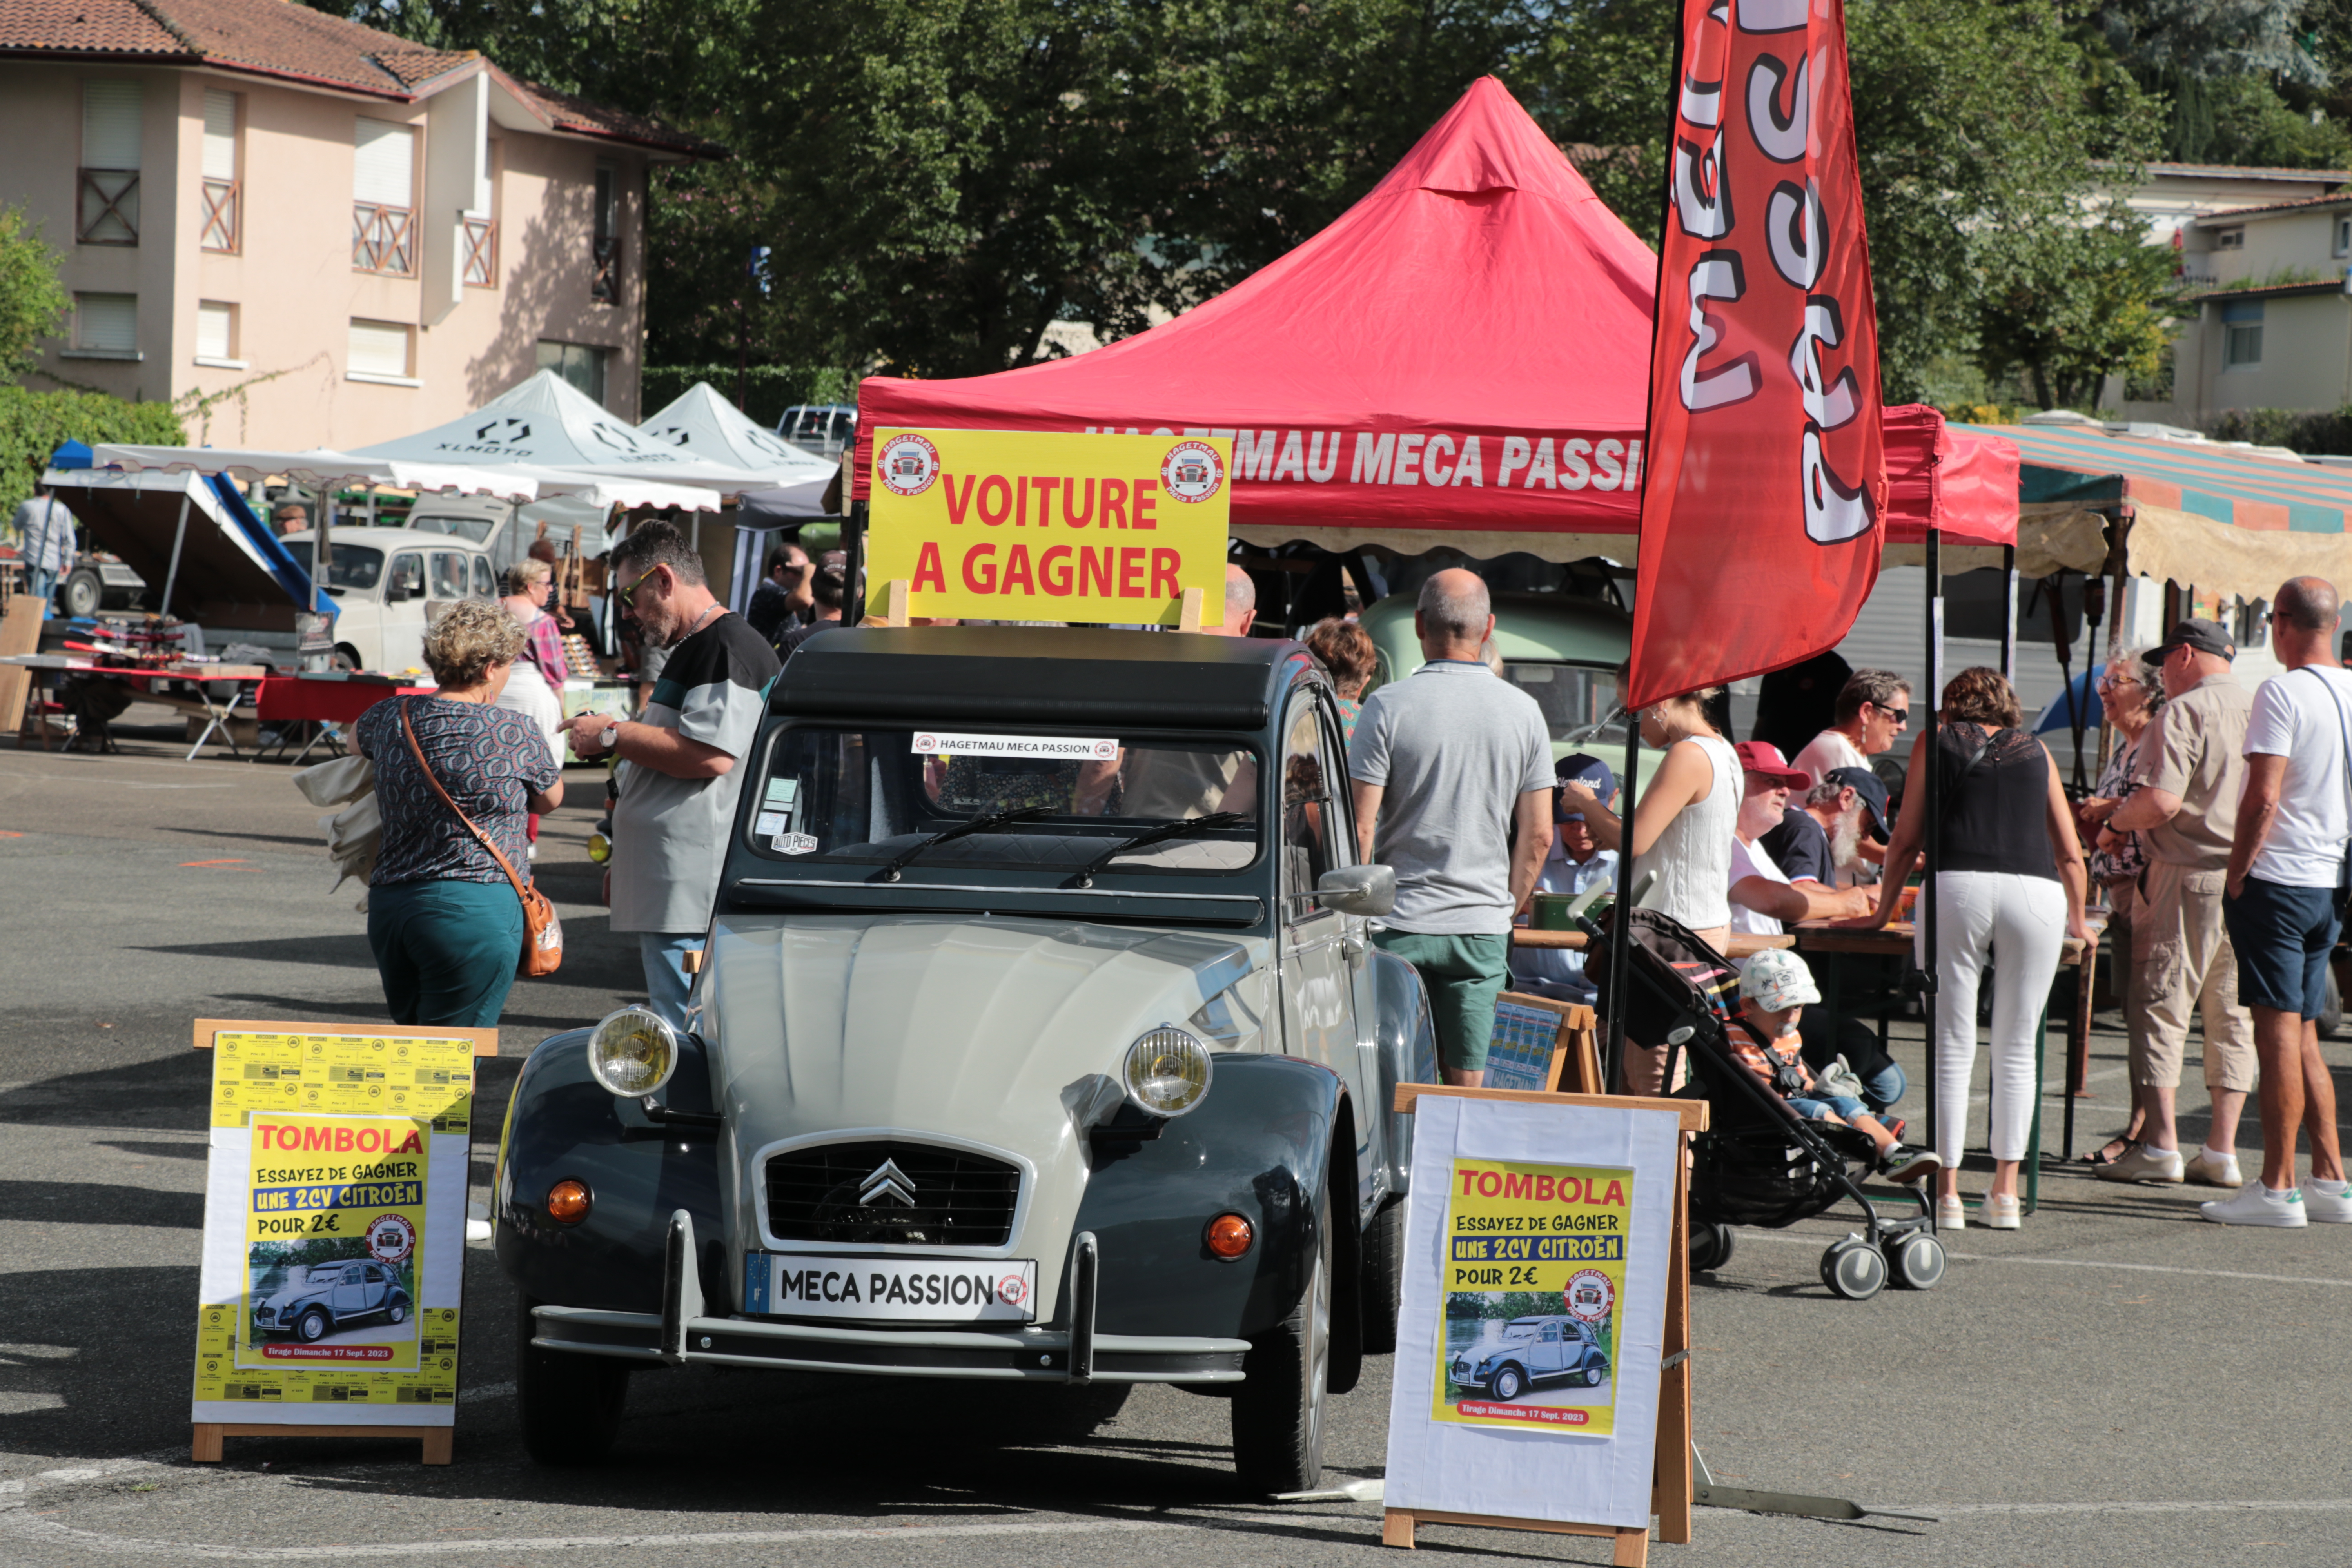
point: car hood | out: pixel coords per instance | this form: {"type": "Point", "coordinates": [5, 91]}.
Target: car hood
{"type": "Point", "coordinates": [1005, 1032]}
{"type": "Point", "coordinates": [285, 1298]}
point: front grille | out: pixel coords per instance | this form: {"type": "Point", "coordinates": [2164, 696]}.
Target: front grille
{"type": "Point", "coordinates": [960, 1200]}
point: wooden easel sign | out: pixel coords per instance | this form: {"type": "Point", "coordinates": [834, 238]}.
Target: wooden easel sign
{"type": "Point", "coordinates": [1538, 1252]}
{"type": "Point", "coordinates": [334, 1246]}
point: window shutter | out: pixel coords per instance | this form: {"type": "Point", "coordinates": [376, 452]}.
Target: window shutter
{"type": "Point", "coordinates": [109, 322]}
{"type": "Point", "coordinates": [109, 124]}
{"type": "Point", "coordinates": [385, 165]}
{"type": "Point", "coordinates": [212, 330]}
{"type": "Point", "coordinates": [379, 348]}
{"type": "Point", "coordinates": [220, 134]}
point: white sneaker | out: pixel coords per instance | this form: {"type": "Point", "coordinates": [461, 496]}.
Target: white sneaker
{"type": "Point", "coordinates": [2141, 1164]}
{"type": "Point", "coordinates": [2209, 1169]}
{"type": "Point", "coordinates": [1951, 1215]}
{"type": "Point", "coordinates": [2255, 1204]}
{"type": "Point", "coordinates": [2325, 1208]}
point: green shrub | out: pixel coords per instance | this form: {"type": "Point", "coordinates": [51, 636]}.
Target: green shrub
{"type": "Point", "coordinates": [35, 424]}
{"type": "Point", "coordinates": [2314, 434]}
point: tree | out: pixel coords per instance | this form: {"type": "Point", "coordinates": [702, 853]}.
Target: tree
{"type": "Point", "coordinates": [2068, 305]}
{"type": "Point", "coordinates": [33, 303]}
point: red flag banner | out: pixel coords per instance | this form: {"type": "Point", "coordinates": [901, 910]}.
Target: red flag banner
{"type": "Point", "coordinates": [1764, 491]}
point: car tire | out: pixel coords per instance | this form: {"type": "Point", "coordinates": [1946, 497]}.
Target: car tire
{"type": "Point", "coordinates": [1383, 1286]}
{"type": "Point", "coordinates": [1595, 1373]}
{"type": "Point", "coordinates": [1279, 1409]}
{"type": "Point", "coordinates": [396, 1311]}
{"type": "Point", "coordinates": [569, 1405]}
{"type": "Point", "coordinates": [313, 1327]}
{"type": "Point", "coordinates": [82, 593]}
{"type": "Point", "coordinates": [1509, 1384]}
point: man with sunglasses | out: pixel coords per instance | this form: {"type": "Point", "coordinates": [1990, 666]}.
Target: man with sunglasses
{"type": "Point", "coordinates": [677, 779]}
{"type": "Point", "coordinates": [1872, 708]}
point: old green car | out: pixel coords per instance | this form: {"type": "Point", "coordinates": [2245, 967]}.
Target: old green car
{"type": "Point", "coordinates": [1037, 1039]}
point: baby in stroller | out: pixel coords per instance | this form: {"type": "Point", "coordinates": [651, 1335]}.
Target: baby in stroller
{"type": "Point", "coordinates": [1774, 991]}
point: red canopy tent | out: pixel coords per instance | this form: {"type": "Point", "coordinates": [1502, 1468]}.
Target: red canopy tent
{"type": "Point", "coordinates": [1464, 355]}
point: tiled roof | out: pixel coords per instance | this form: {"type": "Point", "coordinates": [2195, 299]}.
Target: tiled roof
{"type": "Point", "coordinates": [291, 41]}
{"type": "Point", "coordinates": [2274, 290]}
{"type": "Point", "coordinates": [2224, 216]}
{"type": "Point", "coordinates": [2248, 171]}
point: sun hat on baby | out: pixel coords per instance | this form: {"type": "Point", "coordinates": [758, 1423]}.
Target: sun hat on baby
{"type": "Point", "coordinates": [1777, 979]}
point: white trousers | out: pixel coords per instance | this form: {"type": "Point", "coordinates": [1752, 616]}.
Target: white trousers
{"type": "Point", "coordinates": [2019, 924]}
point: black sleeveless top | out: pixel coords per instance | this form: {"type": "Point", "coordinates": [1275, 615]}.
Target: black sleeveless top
{"type": "Point", "coordinates": [1996, 814]}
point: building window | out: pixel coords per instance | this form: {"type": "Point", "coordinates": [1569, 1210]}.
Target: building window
{"type": "Point", "coordinates": [578, 363]}
{"type": "Point", "coordinates": [106, 325]}
{"type": "Point", "coordinates": [221, 196]}
{"type": "Point", "coordinates": [111, 120]}
{"type": "Point", "coordinates": [2241, 334]}
{"type": "Point", "coordinates": [216, 334]}
{"type": "Point", "coordinates": [384, 202]}
{"type": "Point", "coordinates": [481, 237]}
{"type": "Point", "coordinates": [2229, 239]}
{"type": "Point", "coordinates": [379, 350]}
{"type": "Point", "coordinates": [2342, 246]}
{"type": "Point", "coordinates": [605, 283]}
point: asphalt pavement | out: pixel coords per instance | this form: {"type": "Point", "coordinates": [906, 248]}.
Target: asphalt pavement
{"type": "Point", "coordinates": [2116, 1382]}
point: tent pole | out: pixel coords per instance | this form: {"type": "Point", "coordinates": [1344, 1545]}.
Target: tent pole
{"type": "Point", "coordinates": [853, 605]}
{"type": "Point", "coordinates": [2008, 614]}
{"type": "Point", "coordinates": [179, 537]}
{"type": "Point", "coordinates": [1932, 841]}
{"type": "Point", "coordinates": [1620, 915]}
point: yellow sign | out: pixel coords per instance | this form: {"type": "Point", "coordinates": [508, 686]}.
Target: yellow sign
{"type": "Point", "coordinates": [318, 1294]}
{"type": "Point", "coordinates": [1535, 1271]}
{"type": "Point", "coordinates": [1027, 525]}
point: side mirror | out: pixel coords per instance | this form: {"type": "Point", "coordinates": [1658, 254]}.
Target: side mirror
{"type": "Point", "coordinates": [1358, 889]}
{"type": "Point", "coordinates": [396, 593]}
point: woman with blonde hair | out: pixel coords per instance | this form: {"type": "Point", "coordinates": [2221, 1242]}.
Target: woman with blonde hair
{"type": "Point", "coordinates": [1682, 830]}
{"type": "Point", "coordinates": [2008, 877]}
{"type": "Point", "coordinates": [2131, 694]}
{"type": "Point", "coordinates": [454, 776]}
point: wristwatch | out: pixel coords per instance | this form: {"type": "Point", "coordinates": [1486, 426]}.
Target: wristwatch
{"type": "Point", "coordinates": [610, 740]}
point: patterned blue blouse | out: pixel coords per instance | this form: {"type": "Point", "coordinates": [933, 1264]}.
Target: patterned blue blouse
{"type": "Point", "coordinates": [489, 761]}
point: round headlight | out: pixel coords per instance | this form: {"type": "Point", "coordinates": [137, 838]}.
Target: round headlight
{"type": "Point", "coordinates": [633, 1052]}
{"type": "Point", "coordinates": [1167, 1071]}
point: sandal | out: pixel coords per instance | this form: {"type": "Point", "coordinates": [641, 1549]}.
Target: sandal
{"type": "Point", "coordinates": [2113, 1150]}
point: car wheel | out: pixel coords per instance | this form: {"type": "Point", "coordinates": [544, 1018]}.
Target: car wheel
{"type": "Point", "coordinates": [82, 593]}
{"type": "Point", "coordinates": [1509, 1383]}
{"type": "Point", "coordinates": [1594, 1373]}
{"type": "Point", "coordinates": [398, 1312]}
{"type": "Point", "coordinates": [313, 1326]}
{"type": "Point", "coordinates": [1278, 1407]}
{"type": "Point", "coordinates": [1383, 1286]}
{"type": "Point", "coordinates": [570, 1404]}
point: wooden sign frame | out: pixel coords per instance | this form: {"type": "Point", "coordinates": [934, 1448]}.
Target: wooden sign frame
{"type": "Point", "coordinates": [1671, 1487]}
{"type": "Point", "coordinates": [1576, 1048]}
{"type": "Point", "coordinates": [209, 1439]}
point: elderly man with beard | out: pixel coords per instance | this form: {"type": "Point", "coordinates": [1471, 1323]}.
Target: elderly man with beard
{"type": "Point", "coordinates": [1764, 897]}
{"type": "Point", "coordinates": [1821, 840]}
{"type": "Point", "coordinates": [677, 778]}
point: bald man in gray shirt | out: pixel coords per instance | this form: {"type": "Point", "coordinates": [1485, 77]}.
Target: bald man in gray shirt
{"type": "Point", "coordinates": [1443, 765]}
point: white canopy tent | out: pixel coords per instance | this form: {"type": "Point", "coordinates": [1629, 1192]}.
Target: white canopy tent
{"type": "Point", "coordinates": [702, 425]}
{"type": "Point", "coordinates": [545, 424]}
{"type": "Point", "coordinates": [321, 468]}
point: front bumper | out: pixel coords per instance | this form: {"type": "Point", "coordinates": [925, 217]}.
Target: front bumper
{"type": "Point", "coordinates": [683, 1334]}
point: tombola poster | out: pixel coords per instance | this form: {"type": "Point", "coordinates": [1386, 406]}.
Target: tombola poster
{"type": "Point", "coordinates": [334, 1228]}
{"type": "Point", "coordinates": [1535, 1267]}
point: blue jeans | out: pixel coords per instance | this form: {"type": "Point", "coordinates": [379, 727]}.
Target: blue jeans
{"type": "Point", "coordinates": [446, 951]}
{"type": "Point", "coordinates": [43, 585]}
{"type": "Point", "coordinates": [1884, 1088]}
{"type": "Point", "coordinates": [1845, 1105]}
{"type": "Point", "coordinates": [668, 984]}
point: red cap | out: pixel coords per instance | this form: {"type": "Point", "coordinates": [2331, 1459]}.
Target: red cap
{"type": "Point", "coordinates": [1761, 757]}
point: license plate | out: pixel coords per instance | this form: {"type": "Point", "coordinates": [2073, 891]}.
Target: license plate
{"type": "Point", "coordinates": [914, 1290]}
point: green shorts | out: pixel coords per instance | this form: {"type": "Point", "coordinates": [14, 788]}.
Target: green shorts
{"type": "Point", "coordinates": [1464, 974]}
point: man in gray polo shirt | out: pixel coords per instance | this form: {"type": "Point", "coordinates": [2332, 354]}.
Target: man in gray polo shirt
{"type": "Point", "coordinates": [1442, 765]}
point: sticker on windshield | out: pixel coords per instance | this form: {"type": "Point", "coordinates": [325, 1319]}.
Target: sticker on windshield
{"type": "Point", "coordinates": [781, 792]}
{"type": "Point", "coordinates": [793, 844]}
{"type": "Point", "coordinates": [772, 822]}
{"type": "Point", "coordinates": [932, 743]}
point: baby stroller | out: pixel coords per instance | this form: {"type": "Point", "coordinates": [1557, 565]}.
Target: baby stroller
{"type": "Point", "coordinates": [1759, 1162]}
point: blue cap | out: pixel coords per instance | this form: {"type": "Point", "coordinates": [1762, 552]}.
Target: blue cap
{"type": "Point", "coordinates": [1588, 771]}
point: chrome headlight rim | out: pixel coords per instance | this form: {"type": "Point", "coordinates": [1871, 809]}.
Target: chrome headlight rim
{"type": "Point", "coordinates": [636, 1018]}
{"type": "Point", "coordinates": [1157, 1041]}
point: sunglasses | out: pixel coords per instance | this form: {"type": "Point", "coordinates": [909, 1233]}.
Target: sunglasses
{"type": "Point", "coordinates": [631, 592]}
{"type": "Point", "coordinates": [1901, 716]}
{"type": "Point", "coordinates": [2111, 682]}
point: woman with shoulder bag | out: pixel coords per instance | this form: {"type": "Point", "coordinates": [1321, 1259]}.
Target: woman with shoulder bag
{"type": "Point", "coordinates": [2131, 693]}
{"type": "Point", "coordinates": [2011, 879]}
{"type": "Point", "coordinates": [455, 777]}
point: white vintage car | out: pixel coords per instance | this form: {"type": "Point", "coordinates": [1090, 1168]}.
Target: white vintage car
{"type": "Point", "coordinates": [385, 582]}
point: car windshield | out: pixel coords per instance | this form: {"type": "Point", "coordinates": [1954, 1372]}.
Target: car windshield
{"type": "Point", "coordinates": [1578, 700]}
{"type": "Point", "coordinates": [475, 529]}
{"type": "Point", "coordinates": [831, 796]}
{"type": "Point", "coordinates": [351, 565]}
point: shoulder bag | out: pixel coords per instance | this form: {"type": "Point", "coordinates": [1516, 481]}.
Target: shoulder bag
{"type": "Point", "coordinates": [542, 933]}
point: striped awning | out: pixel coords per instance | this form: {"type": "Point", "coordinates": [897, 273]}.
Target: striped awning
{"type": "Point", "coordinates": [2227, 521]}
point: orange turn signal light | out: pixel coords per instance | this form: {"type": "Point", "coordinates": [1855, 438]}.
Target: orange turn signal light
{"type": "Point", "coordinates": [1230, 1235]}
{"type": "Point", "coordinates": [568, 1201]}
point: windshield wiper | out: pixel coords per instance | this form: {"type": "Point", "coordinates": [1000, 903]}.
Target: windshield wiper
{"type": "Point", "coordinates": [1166, 830]}
{"type": "Point", "coordinates": [977, 824]}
